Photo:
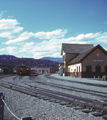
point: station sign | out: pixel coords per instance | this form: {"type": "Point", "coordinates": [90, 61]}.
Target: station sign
{"type": "Point", "coordinates": [98, 60]}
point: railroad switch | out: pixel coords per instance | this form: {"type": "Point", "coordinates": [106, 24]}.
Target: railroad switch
{"type": "Point", "coordinates": [45, 98]}
{"type": "Point", "coordinates": [70, 105]}
{"type": "Point", "coordinates": [88, 110]}
{"type": "Point", "coordinates": [99, 113]}
{"type": "Point", "coordinates": [78, 107]}
{"type": "Point", "coordinates": [63, 103]}
{"type": "Point", "coordinates": [57, 101]}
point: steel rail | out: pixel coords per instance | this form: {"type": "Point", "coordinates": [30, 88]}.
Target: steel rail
{"type": "Point", "coordinates": [36, 92]}
{"type": "Point", "coordinates": [72, 81]}
{"type": "Point", "coordinates": [93, 92]}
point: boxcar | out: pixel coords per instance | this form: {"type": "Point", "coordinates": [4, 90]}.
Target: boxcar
{"type": "Point", "coordinates": [23, 70]}
{"type": "Point", "coordinates": [7, 70]}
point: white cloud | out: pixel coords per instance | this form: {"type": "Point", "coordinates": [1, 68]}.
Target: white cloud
{"type": "Point", "coordinates": [24, 36]}
{"type": "Point", "coordinates": [3, 49]}
{"type": "Point", "coordinates": [51, 35]}
{"type": "Point", "coordinates": [11, 50]}
{"type": "Point", "coordinates": [17, 29]}
{"type": "Point", "coordinates": [6, 35]}
{"type": "Point", "coordinates": [51, 41]}
{"type": "Point", "coordinates": [38, 55]}
{"type": "Point", "coordinates": [40, 49]}
{"type": "Point", "coordinates": [8, 24]}
{"type": "Point", "coordinates": [2, 13]}
{"type": "Point", "coordinates": [27, 47]}
{"type": "Point", "coordinates": [41, 35]}
{"type": "Point", "coordinates": [9, 27]}
{"type": "Point", "coordinates": [98, 38]}
{"type": "Point", "coordinates": [81, 37]}
{"type": "Point", "coordinates": [52, 47]}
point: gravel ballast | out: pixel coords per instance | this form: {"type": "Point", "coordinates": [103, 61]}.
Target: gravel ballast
{"type": "Point", "coordinates": [25, 105]}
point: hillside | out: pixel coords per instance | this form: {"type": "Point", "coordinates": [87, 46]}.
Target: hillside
{"type": "Point", "coordinates": [59, 60]}
{"type": "Point", "coordinates": [12, 61]}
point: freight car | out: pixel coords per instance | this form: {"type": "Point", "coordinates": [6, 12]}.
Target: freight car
{"type": "Point", "coordinates": [23, 70]}
{"type": "Point", "coordinates": [7, 70]}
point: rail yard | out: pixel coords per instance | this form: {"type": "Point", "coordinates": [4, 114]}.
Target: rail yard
{"type": "Point", "coordinates": [48, 98]}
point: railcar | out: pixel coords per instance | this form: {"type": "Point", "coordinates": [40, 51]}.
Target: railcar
{"type": "Point", "coordinates": [7, 70]}
{"type": "Point", "coordinates": [23, 70]}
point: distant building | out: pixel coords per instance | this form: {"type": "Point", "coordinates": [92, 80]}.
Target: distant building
{"type": "Point", "coordinates": [41, 70]}
{"type": "Point", "coordinates": [84, 60]}
{"type": "Point", "coordinates": [44, 70]}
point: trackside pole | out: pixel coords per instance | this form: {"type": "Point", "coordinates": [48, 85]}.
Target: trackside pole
{"type": "Point", "coordinates": [1, 106]}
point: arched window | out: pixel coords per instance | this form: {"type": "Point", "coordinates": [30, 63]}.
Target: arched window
{"type": "Point", "coordinates": [88, 68]}
{"type": "Point", "coordinates": [98, 68]}
{"type": "Point", "coordinates": [105, 68]}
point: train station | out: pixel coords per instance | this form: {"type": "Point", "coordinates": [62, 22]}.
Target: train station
{"type": "Point", "coordinates": [83, 60]}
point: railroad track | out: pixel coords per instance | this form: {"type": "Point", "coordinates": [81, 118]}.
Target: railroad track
{"type": "Point", "coordinates": [69, 88]}
{"type": "Point", "coordinates": [61, 98]}
{"type": "Point", "coordinates": [72, 81]}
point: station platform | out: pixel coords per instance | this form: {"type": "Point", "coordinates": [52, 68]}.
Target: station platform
{"type": "Point", "coordinates": [83, 80]}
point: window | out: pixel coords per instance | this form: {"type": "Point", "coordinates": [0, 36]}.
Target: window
{"type": "Point", "coordinates": [105, 68]}
{"type": "Point", "coordinates": [68, 69]}
{"type": "Point", "coordinates": [64, 57]}
{"type": "Point", "coordinates": [88, 68]}
{"type": "Point", "coordinates": [79, 68]}
{"type": "Point", "coordinates": [98, 68]}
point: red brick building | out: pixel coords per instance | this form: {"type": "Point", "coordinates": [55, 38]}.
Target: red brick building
{"type": "Point", "coordinates": [84, 60]}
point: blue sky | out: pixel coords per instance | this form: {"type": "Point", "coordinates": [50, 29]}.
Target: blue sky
{"type": "Point", "coordinates": [37, 28]}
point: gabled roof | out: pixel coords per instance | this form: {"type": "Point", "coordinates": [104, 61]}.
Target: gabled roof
{"type": "Point", "coordinates": [83, 55]}
{"type": "Point", "coordinates": [75, 48]}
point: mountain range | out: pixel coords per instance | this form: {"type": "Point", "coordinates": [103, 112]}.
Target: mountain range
{"type": "Point", "coordinates": [12, 61]}
{"type": "Point", "coordinates": [59, 60]}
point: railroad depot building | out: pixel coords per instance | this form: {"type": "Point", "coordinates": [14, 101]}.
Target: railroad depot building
{"type": "Point", "coordinates": [44, 70]}
{"type": "Point", "coordinates": [83, 60]}
{"type": "Point", "coordinates": [41, 70]}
